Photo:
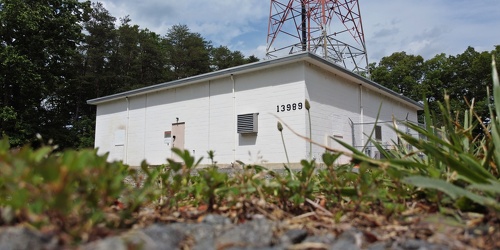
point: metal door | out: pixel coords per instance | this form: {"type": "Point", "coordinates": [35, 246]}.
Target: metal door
{"type": "Point", "coordinates": [178, 138]}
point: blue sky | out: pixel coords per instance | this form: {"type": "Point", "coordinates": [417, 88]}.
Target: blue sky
{"type": "Point", "coordinates": [423, 27]}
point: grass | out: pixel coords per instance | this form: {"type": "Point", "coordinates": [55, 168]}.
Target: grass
{"type": "Point", "coordinates": [73, 193]}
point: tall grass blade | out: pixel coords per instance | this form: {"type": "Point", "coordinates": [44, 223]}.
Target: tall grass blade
{"type": "Point", "coordinates": [495, 120]}
{"type": "Point", "coordinates": [373, 128]}
{"type": "Point", "coordinates": [451, 190]}
{"type": "Point", "coordinates": [492, 187]}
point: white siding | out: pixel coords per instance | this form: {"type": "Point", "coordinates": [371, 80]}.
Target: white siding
{"type": "Point", "coordinates": [160, 114]}
{"type": "Point", "coordinates": [391, 112]}
{"type": "Point", "coordinates": [190, 105]}
{"type": "Point", "coordinates": [111, 118]}
{"type": "Point", "coordinates": [209, 110]}
{"type": "Point", "coordinates": [221, 123]}
{"type": "Point", "coordinates": [135, 151]}
{"type": "Point", "coordinates": [335, 102]}
{"type": "Point", "coordinates": [261, 92]}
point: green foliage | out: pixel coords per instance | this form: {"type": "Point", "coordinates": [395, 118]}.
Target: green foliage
{"type": "Point", "coordinates": [70, 189]}
{"type": "Point", "coordinates": [9, 122]}
{"type": "Point", "coordinates": [176, 181]}
{"type": "Point", "coordinates": [495, 120]}
{"type": "Point", "coordinates": [56, 55]}
{"type": "Point", "coordinates": [308, 107]}
{"type": "Point", "coordinates": [38, 41]}
{"type": "Point", "coordinates": [211, 187]}
{"type": "Point", "coordinates": [463, 77]}
{"type": "Point", "coordinates": [222, 58]}
{"type": "Point", "coordinates": [400, 72]}
{"type": "Point", "coordinates": [187, 53]}
{"type": "Point", "coordinates": [75, 191]}
{"type": "Point", "coordinates": [280, 128]}
{"type": "Point", "coordinates": [455, 161]}
{"type": "Point", "coordinates": [455, 192]}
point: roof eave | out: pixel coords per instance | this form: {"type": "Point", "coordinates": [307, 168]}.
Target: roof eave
{"type": "Point", "coordinates": [328, 65]}
{"type": "Point", "coordinates": [200, 78]}
{"type": "Point", "coordinates": [307, 56]}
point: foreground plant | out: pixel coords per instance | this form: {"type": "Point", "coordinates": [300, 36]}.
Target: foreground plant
{"type": "Point", "coordinates": [454, 161]}
{"type": "Point", "coordinates": [469, 162]}
{"type": "Point", "coordinates": [72, 190]}
{"type": "Point", "coordinates": [308, 107]}
{"type": "Point", "coordinates": [77, 192]}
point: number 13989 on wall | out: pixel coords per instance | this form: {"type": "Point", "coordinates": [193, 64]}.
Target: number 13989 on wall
{"type": "Point", "coordinates": [289, 107]}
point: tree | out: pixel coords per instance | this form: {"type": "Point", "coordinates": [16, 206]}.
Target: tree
{"type": "Point", "coordinates": [252, 59]}
{"type": "Point", "coordinates": [140, 57]}
{"type": "Point", "coordinates": [401, 73]}
{"type": "Point", "coordinates": [38, 42]}
{"type": "Point", "coordinates": [222, 58]}
{"type": "Point", "coordinates": [92, 78]}
{"type": "Point", "coordinates": [464, 77]}
{"type": "Point", "coordinates": [470, 80]}
{"type": "Point", "coordinates": [97, 50]}
{"type": "Point", "coordinates": [437, 74]}
{"type": "Point", "coordinates": [152, 58]}
{"type": "Point", "coordinates": [187, 53]}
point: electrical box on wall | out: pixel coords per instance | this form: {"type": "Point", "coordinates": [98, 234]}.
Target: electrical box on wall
{"type": "Point", "coordinates": [167, 137]}
{"type": "Point", "coordinates": [120, 137]}
{"type": "Point", "coordinates": [248, 123]}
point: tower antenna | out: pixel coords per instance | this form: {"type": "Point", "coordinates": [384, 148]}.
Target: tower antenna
{"type": "Point", "coordinates": [329, 28]}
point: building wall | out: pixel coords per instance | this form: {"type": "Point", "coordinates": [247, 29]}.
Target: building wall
{"type": "Point", "coordinates": [264, 92]}
{"type": "Point", "coordinates": [209, 111]}
{"type": "Point", "coordinates": [188, 104]}
{"type": "Point", "coordinates": [333, 102]}
{"type": "Point", "coordinates": [111, 125]}
{"type": "Point", "coordinates": [346, 111]}
{"type": "Point", "coordinates": [391, 113]}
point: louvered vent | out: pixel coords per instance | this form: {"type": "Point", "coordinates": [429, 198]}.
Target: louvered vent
{"type": "Point", "coordinates": [247, 123]}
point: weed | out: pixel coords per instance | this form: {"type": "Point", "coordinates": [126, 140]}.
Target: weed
{"type": "Point", "coordinates": [74, 191]}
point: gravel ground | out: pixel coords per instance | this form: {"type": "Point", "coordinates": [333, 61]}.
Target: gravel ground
{"type": "Point", "coordinates": [253, 224]}
{"type": "Point", "coordinates": [217, 232]}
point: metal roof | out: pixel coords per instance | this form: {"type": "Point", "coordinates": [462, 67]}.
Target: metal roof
{"type": "Point", "coordinates": [256, 66]}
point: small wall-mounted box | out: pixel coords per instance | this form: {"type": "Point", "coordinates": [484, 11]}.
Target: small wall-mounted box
{"type": "Point", "coordinates": [248, 123]}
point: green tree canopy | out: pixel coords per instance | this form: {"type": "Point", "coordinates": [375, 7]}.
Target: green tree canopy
{"type": "Point", "coordinates": [188, 54]}
{"type": "Point", "coordinates": [57, 54]}
{"type": "Point", "coordinates": [222, 57]}
{"type": "Point", "coordinates": [464, 77]}
{"type": "Point", "coordinates": [401, 73]}
{"type": "Point", "coordinates": [38, 44]}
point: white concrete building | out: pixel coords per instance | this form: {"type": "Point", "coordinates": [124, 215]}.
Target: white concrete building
{"type": "Point", "coordinates": [234, 113]}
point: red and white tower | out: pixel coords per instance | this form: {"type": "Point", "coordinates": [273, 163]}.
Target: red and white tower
{"type": "Point", "coordinates": [329, 28]}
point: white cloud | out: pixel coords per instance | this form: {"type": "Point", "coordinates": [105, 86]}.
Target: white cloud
{"type": "Point", "coordinates": [428, 27]}
{"type": "Point", "coordinates": [425, 27]}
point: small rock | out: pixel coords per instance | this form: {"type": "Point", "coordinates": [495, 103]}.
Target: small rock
{"type": "Point", "coordinates": [379, 246]}
{"type": "Point", "coordinates": [215, 219]}
{"type": "Point", "coordinates": [13, 238]}
{"type": "Point", "coordinates": [254, 248]}
{"type": "Point", "coordinates": [115, 243]}
{"type": "Point", "coordinates": [348, 240]}
{"type": "Point", "coordinates": [202, 235]}
{"type": "Point", "coordinates": [151, 238]}
{"type": "Point", "coordinates": [293, 236]}
{"type": "Point", "coordinates": [256, 233]}
{"type": "Point", "coordinates": [413, 244]}
{"type": "Point", "coordinates": [163, 237]}
{"type": "Point", "coordinates": [327, 239]}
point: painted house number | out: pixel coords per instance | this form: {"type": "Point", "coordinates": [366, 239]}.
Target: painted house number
{"type": "Point", "coordinates": [288, 107]}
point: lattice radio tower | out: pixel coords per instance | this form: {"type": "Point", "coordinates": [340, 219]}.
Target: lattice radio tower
{"type": "Point", "coordinates": [329, 28]}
